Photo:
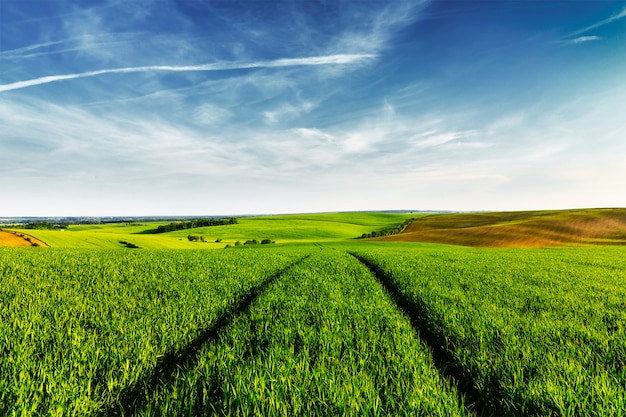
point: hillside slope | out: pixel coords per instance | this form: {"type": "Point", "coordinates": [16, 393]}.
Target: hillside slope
{"type": "Point", "coordinates": [288, 228]}
{"type": "Point", "coordinates": [520, 229]}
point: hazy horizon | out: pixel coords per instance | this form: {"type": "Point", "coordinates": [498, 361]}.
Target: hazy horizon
{"type": "Point", "coordinates": [164, 108]}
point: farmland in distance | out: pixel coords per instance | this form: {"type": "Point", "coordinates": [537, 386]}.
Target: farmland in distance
{"type": "Point", "coordinates": [283, 229]}
{"type": "Point", "coordinates": [520, 229]}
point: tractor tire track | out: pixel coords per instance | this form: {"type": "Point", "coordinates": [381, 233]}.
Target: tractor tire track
{"type": "Point", "coordinates": [131, 400]}
{"type": "Point", "coordinates": [443, 359]}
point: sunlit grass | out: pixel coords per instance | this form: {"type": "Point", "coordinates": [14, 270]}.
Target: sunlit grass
{"type": "Point", "coordinates": [530, 331]}
{"type": "Point", "coordinates": [80, 327]}
{"type": "Point", "coordinates": [324, 339]}
{"type": "Point", "coordinates": [327, 227]}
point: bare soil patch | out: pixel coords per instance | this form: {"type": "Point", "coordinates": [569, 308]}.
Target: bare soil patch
{"type": "Point", "coordinates": [18, 239]}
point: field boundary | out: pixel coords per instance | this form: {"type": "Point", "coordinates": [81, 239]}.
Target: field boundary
{"type": "Point", "coordinates": [443, 360]}
{"type": "Point", "coordinates": [131, 399]}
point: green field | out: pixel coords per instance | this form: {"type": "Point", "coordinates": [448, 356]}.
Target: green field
{"type": "Point", "coordinates": [295, 228]}
{"type": "Point", "coordinates": [320, 324]}
{"type": "Point", "coordinates": [524, 331]}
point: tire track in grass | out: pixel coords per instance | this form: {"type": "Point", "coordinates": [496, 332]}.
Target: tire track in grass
{"type": "Point", "coordinates": [443, 359]}
{"type": "Point", "coordinates": [324, 339]}
{"type": "Point", "coordinates": [133, 399]}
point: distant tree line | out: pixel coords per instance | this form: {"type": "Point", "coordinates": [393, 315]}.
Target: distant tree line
{"type": "Point", "coordinates": [46, 226]}
{"type": "Point", "coordinates": [172, 227]}
{"type": "Point", "coordinates": [388, 232]}
{"type": "Point", "coordinates": [38, 226]}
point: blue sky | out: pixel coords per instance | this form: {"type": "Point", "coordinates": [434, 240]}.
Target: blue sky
{"type": "Point", "coordinates": [190, 107]}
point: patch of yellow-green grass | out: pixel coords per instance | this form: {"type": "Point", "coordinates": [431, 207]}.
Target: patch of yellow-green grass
{"type": "Point", "coordinates": [304, 228]}
{"type": "Point", "coordinates": [284, 231]}
{"type": "Point", "coordinates": [59, 238]}
{"type": "Point", "coordinates": [298, 228]}
{"type": "Point", "coordinates": [109, 240]}
{"type": "Point", "coordinates": [125, 228]}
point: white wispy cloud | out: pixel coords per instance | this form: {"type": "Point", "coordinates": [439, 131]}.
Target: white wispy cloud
{"type": "Point", "coordinates": [84, 43]}
{"type": "Point", "coordinates": [339, 59]}
{"type": "Point", "coordinates": [30, 50]}
{"type": "Point", "coordinates": [313, 134]}
{"type": "Point", "coordinates": [582, 39]}
{"type": "Point", "coordinates": [208, 114]}
{"type": "Point", "coordinates": [579, 40]}
{"type": "Point", "coordinates": [578, 37]}
{"type": "Point", "coordinates": [438, 139]}
{"type": "Point", "coordinates": [617, 16]}
{"type": "Point", "coordinates": [286, 111]}
{"type": "Point", "coordinates": [64, 141]}
{"type": "Point", "coordinates": [378, 34]}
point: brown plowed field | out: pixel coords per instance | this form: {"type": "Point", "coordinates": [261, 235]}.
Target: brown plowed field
{"type": "Point", "coordinates": [14, 239]}
{"type": "Point", "coordinates": [519, 229]}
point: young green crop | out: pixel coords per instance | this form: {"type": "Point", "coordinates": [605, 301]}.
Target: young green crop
{"type": "Point", "coordinates": [529, 332]}
{"type": "Point", "coordinates": [167, 332]}
{"type": "Point", "coordinates": [79, 327]}
{"type": "Point", "coordinates": [323, 339]}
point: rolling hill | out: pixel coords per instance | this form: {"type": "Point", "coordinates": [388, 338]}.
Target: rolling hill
{"type": "Point", "coordinates": [484, 229]}
{"type": "Point", "coordinates": [284, 229]}
{"type": "Point", "coordinates": [519, 229]}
